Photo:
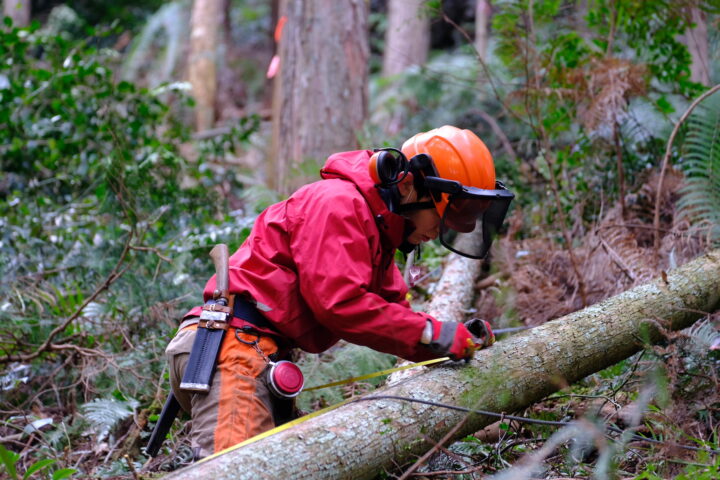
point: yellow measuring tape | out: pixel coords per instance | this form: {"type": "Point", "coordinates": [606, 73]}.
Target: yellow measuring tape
{"type": "Point", "coordinates": [377, 374]}
{"type": "Point", "coordinates": [317, 413]}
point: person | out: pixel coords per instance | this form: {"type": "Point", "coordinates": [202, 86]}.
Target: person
{"type": "Point", "coordinates": [319, 267]}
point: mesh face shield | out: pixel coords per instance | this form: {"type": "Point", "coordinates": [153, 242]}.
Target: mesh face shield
{"type": "Point", "coordinates": [468, 210]}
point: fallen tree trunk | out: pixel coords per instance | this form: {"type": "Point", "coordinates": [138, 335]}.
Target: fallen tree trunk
{"type": "Point", "coordinates": [362, 439]}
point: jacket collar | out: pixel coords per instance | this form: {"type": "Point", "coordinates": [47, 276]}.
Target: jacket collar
{"type": "Point", "coordinates": [353, 167]}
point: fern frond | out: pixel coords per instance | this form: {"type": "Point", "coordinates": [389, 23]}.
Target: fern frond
{"type": "Point", "coordinates": [607, 85]}
{"type": "Point", "coordinates": [104, 414]}
{"type": "Point", "coordinates": [702, 336]}
{"type": "Point", "coordinates": [700, 196]}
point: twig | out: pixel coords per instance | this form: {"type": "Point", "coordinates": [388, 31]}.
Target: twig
{"type": "Point", "coordinates": [131, 467]}
{"type": "Point", "coordinates": [90, 352]}
{"type": "Point", "coordinates": [618, 261]}
{"type": "Point", "coordinates": [448, 472]}
{"type": "Point", "coordinates": [645, 227]}
{"type": "Point", "coordinates": [484, 66]}
{"type": "Point", "coordinates": [507, 146]}
{"type": "Point", "coordinates": [488, 281]}
{"type": "Point", "coordinates": [665, 161]}
{"type": "Point", "coordinates": [47, 344]}
{"type": "Point", "coordinates": [45, 272]}
{"type": "Point", "coordinates": [575, 395]}
{"type": "Point", "coordinates": [151, 249]}
{"type": "Point", "coordinates": [50, 378]}
{"type": "Point", "coordinates": [11, 438]}
{"type": "Point", "coordinates": [430, 452]}
{"type": "Point", "coordinates": [620, 169]}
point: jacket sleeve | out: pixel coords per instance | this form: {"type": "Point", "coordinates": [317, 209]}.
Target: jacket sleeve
{"type": "Point", "coordinates": [331, 243]}
{"type": "Point", "coordinates": [394, 288]}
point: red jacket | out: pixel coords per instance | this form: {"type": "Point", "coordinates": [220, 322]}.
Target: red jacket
{"type": "Point", "coordinates": [320, 265]}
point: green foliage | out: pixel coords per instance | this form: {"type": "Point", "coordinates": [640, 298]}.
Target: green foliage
{"type": "Point", "coordinates": [700, 202]}
{"type": "Point", "coordinates": [581, 71]}
{"type": "Point", "coordinates": [651, 30]}
{"type": "Point", "coordinates": [425, 97]}
{"type": "Point", "coordinates": [128, 14]}
{"type": "Point", "coordinates": [87, 162]}
{"type": "Point", "coordinates": [72, 138]}
{"type": "Point", "coordinates": [10, 461]}
{"type": "Point", "coordinates": [707, 470]}
{"type": "Point", "coordinates": [442, 92]}
{"type": "Point", "coordinates": [104, 226]}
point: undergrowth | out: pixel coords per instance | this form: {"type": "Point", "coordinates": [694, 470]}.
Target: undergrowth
{"type": "Point", "coordinates": [108, 208]}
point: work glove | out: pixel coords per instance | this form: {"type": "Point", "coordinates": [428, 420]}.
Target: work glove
{"type": "Point", "coordinates": [481, 330]}
{"type": "Point", "coordinates": [452, 339]}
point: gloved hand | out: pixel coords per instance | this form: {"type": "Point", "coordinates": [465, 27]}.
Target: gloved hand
{"type": "Point", "coordinates": [481, 330]}
{"type": "Point", "coordinates": [452, 339]}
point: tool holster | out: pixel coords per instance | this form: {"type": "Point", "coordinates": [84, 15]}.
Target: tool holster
{"type": "Point", "coordinates": [214, 322]}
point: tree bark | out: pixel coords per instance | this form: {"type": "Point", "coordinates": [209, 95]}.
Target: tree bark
{"type": "Point", "coordinates": [361, 439]}
{"type": "Point", "coordinates": [483, 12]}
{"type": "Point", "coordinates": [206, 23]}
{"type": "Point", "coordinates": [407, 39]}
{"type": "Point", "coordinates": [18, 10]}
{"type": "Point", "coordinates": [321, 92]}
{"type": "Point", "coordinates": [696, 40]}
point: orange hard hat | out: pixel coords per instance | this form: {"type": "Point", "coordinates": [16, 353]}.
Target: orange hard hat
{"type": "Point", "coordinates": [458, 155]}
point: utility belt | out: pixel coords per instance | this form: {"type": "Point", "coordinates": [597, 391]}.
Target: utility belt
{"type": "Point", "coordinates": [284, 378]}
{"type": "Point", "coordinates": [245, 315]}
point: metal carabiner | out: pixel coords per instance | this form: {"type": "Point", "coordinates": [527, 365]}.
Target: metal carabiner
{"type": "Point", "coordinates": [253, 344]}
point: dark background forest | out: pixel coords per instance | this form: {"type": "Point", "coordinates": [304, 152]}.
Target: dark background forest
{"type": "Point", "coordinates": [136, 135]}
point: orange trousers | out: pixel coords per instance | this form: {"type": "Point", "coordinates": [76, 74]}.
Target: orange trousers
{"type": "Point", "coordinates": [239, 404]}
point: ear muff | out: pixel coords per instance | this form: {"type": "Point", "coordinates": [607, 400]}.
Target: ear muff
{"type": "Point", "coordinates": [387, 166]}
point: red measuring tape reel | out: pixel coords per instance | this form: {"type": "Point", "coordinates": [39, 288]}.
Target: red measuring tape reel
{"type": "Point", "coordinates": [285, 379]}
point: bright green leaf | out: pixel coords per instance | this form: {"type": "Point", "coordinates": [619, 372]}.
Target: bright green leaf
{"type": "Point", "coordinates": [37, 466]}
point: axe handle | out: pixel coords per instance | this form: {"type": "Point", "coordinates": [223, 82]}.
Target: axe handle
{"type": "Point", "coordinates": [219, 255]}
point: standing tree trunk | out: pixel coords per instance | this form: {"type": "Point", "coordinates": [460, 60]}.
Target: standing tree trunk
{"type": "Point", "coordinates": [206, 23]}
{"type": "Point", "coordinates": [363, 438]}
{"type": "Point", "coordinates": [696, 40]}
{"type": "Point", "coordinates": [18, 10]}
{"type": "Point", "coordinates": [483, 12]}
{"type": "Point", "coordinates": [407, 40]}
{"type": "Point", "coordinates": [320, 97]}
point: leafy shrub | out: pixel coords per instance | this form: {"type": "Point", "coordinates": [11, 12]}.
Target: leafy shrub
{"type": "Point", "coordinates": [105, 205]}
{"type": "Point", "coordinates": [589, 79]}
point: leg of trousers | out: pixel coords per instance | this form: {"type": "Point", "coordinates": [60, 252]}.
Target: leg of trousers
{"type": "Point", "coordinates": [239, 404]}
